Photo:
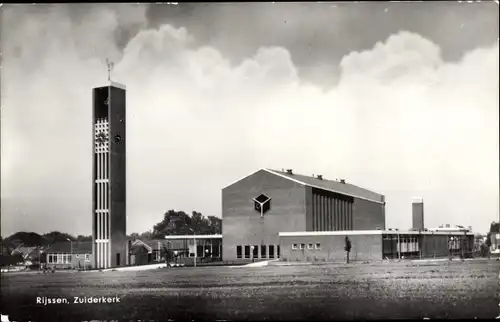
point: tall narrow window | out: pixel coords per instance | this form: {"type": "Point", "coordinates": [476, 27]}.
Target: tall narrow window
{"type": "Point", "coordinates": [255, 251]}
{"type": "Point", "coordinates": [278, 251]}
{"type": "Point", "coordinates": [247, 251]}
{"type": "Point", "coordinates": [271, 251]}
{"type": "Point", "coordinates": [238, 251]}
{"type": "Point", "coordinates": [263, 252]}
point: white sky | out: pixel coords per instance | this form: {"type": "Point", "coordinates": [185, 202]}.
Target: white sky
{"type": "Point", "coordinates": [400, 118]}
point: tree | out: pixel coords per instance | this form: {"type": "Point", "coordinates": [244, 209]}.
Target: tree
{"type": "Point", "coordinates": [180, 223]}
{"type": "Point", "coordinates": [134, 236]}
{"type": "Point", "coordinates": [215, 224]}
{"type": "Point", "coordinates": [58, 237]}
{"type": "Point", "coordinates": [83, 238]}
{"type": "Point", "coordinates": [28, 239]}
{"type": "Point", "coordinates": [488, 240]}
{"type": "Point", "coordinates": [146, 235]}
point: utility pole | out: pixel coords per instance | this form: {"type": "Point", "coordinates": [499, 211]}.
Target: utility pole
{"type": "Point", "coordinates": [195, 247]}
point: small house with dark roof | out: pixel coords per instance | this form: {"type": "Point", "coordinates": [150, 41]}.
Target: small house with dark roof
{"type": "Point", "coordinates": [67, 255]}
{"type": "Point", "coordinates": [144, 252]}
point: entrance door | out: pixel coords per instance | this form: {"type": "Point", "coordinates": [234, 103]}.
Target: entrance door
{"type": "Point", "coordinates": [117, 259]}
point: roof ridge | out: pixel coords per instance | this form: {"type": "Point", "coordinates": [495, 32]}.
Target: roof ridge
{"type": "Point", "coordinates": [299, 180]}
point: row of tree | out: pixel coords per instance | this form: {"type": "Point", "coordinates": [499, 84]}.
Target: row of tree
{"type": "Point", "coordinates": [173, 223]}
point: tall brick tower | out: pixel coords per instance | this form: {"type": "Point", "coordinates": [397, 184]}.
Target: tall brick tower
{"type": "Point", "coordinates": [109, 239]}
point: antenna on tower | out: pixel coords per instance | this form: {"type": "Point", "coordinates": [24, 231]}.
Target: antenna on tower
{"type": "Point", "coordinates": [110, 68]}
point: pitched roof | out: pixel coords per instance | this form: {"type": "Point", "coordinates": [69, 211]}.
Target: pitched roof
{"type": "Point", "coordinates": [23, 250]}
{"type": "Point", "coordinates": [330, 185]}
{"type": "Point", "coordinates": [65, 247]}
{"type": "Point", "coordinates": [152, 244]}
{"type": "Point", "coordinates": [139, 243]}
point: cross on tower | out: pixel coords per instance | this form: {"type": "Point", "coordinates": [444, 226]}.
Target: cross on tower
{"type": "Point", "coordinates": [110, 68]}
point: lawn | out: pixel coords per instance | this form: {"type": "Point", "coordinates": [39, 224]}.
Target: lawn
{"type": "Point", "coordinates": [320, 292]}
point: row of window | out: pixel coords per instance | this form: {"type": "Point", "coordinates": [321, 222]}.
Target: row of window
{"type": "Point", "coordinates": [303, 246]}
{"type": "Point", "coordinates": [257, 251]}
{"type": "Point", "coordinates": [64, 258]}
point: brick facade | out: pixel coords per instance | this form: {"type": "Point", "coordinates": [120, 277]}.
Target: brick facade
{"type": "Point", "coordinates": [294, 207]}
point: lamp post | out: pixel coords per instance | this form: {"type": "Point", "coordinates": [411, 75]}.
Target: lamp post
{"type": "Point", "coordinates": [40, 251]}
{"type": "Point", "coordinates": [399, 247]}
{"type": "Point", "coordinates": [167, 252]}
{"type": "Point", "coordinates": [195, 248]}
{"type": "Point", "coordinates": [71, 249]}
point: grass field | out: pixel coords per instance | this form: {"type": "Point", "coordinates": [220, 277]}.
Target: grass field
{"type": "Point", "coordinates": [328, 292]}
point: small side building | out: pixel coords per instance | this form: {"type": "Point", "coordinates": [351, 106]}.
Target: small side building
{"type": "Point", "coordinates": [66, 255]}
{"type": "Point", "coordinates": [372, 245]}
{"type": "Point", "coordinates": [208, 248]}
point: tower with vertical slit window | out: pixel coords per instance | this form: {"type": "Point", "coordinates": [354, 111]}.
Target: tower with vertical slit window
{"type": "Point", "coordinates": [109, 239]}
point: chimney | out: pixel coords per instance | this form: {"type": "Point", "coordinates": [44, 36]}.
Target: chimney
{"type": "Point", "coordinates": [342, 181]}
{"type": "Point", "coordinates": [320, 177]}
{"type": "Point", "coordinates": [289, 171]}
{"type": "Point", "coordinates": [447, 225]}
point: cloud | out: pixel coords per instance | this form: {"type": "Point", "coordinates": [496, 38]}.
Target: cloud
{"type": "Point", "coordinates": [401, 121]}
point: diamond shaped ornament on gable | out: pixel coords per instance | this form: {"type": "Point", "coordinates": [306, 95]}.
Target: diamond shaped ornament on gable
{"type": "Point", "coordinates": [262, 204]}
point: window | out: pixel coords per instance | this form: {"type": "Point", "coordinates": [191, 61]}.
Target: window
{"type": "Point", "coordinates": [309, 246]}
{"type": "Point", "coordinates": [87, 257]}
{"type": "Point", "coordinates": [302, 246]}
{"type": "Point", "coordinates": [271, 251]}
{"type": "Point", "coordinates": [278, 251]}
{"type": "Point", "coordinates": [255, 251]}
{"type": "Point", "coordinates": [59, 259]}
{"type": "Point", "coordinates": [262, 204]}
{"type": "Point", "coordinates": [295, 246]}
{"type": "Point", "coordinates": [247, 251]}
{"type": "Point", "coordinates": [263, 253]}
{"type": "Point", "coordinates": [238, 251]}
{"type": "Point", "coordinates": [318, 246]}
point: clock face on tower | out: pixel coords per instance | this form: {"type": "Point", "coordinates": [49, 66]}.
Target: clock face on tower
{"type": "Point", "coordinates": [118, 139]}
{"type": "Point", "coordinates": [101, 138]}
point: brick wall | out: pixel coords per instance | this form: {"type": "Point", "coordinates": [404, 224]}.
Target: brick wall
{"type": "Point", "coordinates": [243, 225]}
{"type": "Point", "coordinates": [364, 247]}
{"type": "Point", "coordinates": [368, 215]}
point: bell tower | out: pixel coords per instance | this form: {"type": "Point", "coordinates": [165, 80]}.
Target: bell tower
{"type": "Point", "coordinates": [109, 239]}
